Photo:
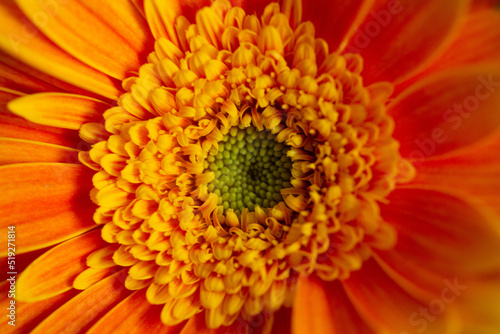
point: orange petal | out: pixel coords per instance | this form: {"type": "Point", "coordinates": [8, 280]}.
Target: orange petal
{"type": "Point", "coordinates": [22, 41]}
{"type": "Point", "coordinates": [323, 307]}
{"type": "Point", "coordinates": [28, 315]}
{"type": "Point", "coordinates": [119, 45]}
{"type": "Point", "coordinates": [447, 111]}
{"type": "Point", "coordinates": [91, 276]}
{"type": "Point", "coordinates": [389, 309]}
{"type": "Point", "coordinates": [12, 126]}
{"type": "Point", "coordinates": [478, 42]}
{"type": "Point", "coordinates": [59, 110]}
{"type": "Point", "coordinates": [22, 261]}
{"type": "Point", "coordinates": [39, 198]}
{"type": "Point", "coordinates": [336, 20]}
{"type": "Point", "coordinates": [14, 151]}
{"type": "Point", "coordinates": [312, 312]}
{"type": "Point", "coordinates": [15, 79]}
{"type": "Point", "coordinates": [481, 301]}
{"type": "Point", "coordinates": [7, 95]}
{"type": "Point", "coordinates": [21, 77]}
{"type": "Point", "coordinates": [397, 38]}
{"type": "Point", "coordinates": [127, 315]}
{"type": "Point", "coordinates": [444, 234]}
{"type": "Point", "coordinates": [473, 172]}
{"type": "Point", "coordinates": [54, 272]}
{"type": "Point", "coordinates": [78, 314]}
{"type": "Point", "coordinates": [139, 5]}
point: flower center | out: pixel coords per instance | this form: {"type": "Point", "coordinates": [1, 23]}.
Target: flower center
{"type": "Point", "coordinates": [242, 155]}
{"type": "Point", "coordinates": [251, 168]}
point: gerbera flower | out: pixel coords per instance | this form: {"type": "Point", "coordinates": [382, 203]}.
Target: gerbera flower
{"type": "Point", "coordinates": [243, 167]}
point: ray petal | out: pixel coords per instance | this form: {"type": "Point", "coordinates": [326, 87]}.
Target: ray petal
{"type": "Point", "coordinates": [13, 151]}
{"type": "Point", "coordinates": [59, 110]}
{"type": "Point", "coordinates": [7, 95]}
{"type": "Point", "coordinates": [473, 173]}
{"type": "Point", "coordinates": [12, 126]}
{"type": "Point", "coordinates": [336, 21]}
{"type": "Point", "coordinates": [447, 111]}
{"type": "Point", "coordinates": [22, 40]}
{"type": "Point", "coordinates": [28, 315]}
{"type": "Point", "coordinates": [323, 307]}
{"type": "Point", "coordinates": [397, 39]}
{"type": "Point", "coordinates": [134, 310]}
{"type": "Point", "coordinates": [162, 15]}
{"type": "Point", "coordinates": [54, 272]}
{"type": "Point", "coordinates": [119, 45]}
{"type": "Point", "coordinates": [19, 76]}
{"type": "Point", "coordinates": [78, 314]}
{"type": "Point", "coordinates": [478, 42]}
{"type": "Point", "coordinates": [46, 202]}
{"type": "Point", "coordinates": [451, 236]}
{"type": "Point", "coordinates": [387, 308]}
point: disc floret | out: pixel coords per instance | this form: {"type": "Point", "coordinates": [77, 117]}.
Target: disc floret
{"type": "Point", "coordinates": [250, 168]}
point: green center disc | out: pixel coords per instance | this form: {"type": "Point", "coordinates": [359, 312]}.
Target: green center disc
{"type": "Point", "coordinates": [250, 169]}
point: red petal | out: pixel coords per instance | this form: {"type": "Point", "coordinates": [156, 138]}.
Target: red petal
{"type": "Point", "coordinates": [441, 233]}
{"type": "Point", "coordinates": [478, 42]}
{"type": "Point", "coordinates": [447, 111]}
{"type": "Point", "coordinates": [397, 39]}
{"type": "Point", "coordinates": [473, 172]}
{"type": "Point", "coordinates": [336, 20]}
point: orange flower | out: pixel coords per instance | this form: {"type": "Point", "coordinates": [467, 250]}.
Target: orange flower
{"type": "Point", "coordinates": [250, 166]}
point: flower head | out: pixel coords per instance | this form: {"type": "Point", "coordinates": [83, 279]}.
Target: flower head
{"type": "Point", "coordinates": [260, 165]}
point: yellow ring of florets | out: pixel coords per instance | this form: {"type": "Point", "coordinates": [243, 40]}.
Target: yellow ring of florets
{"type": "Point", "coordinates": [232, 70]}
